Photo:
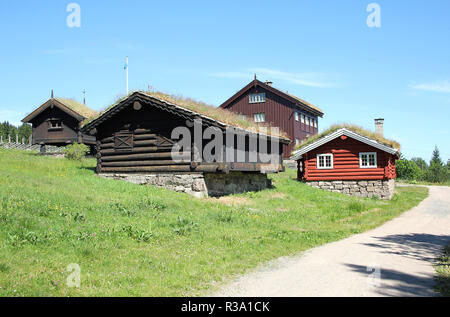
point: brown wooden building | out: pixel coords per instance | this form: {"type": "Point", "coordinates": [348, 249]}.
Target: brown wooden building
{"type": "Point", "coordinates": [135, 136]}
{"type": "Point", "coordinates": [58, 121]}
{"type": "Point", "coordinates": [263, 103]}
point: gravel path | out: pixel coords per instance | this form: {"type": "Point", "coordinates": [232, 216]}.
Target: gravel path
{"type": "Point", "coordinates": [394, 259]}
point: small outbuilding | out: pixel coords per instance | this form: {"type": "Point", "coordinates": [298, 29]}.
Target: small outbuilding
{"type": "Point", "coordinates": [349, 160]}
{"type": "Point", "coordinates": [58, 121]}
{"type": "Point", "coordinates": [157, 139]}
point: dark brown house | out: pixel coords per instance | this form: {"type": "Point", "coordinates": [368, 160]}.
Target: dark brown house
{"type": "Point", "coordinates": [263, 103]}
{"type": "Point", "coordinates": [58, 121]}
{"type": "Point", "coordinates": [137, 135]}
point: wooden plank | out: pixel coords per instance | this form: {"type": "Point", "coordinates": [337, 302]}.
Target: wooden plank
{"type": "Point", "coordinates": [145, 156]}
{"type": "Point", "coordinates": [143, 163]}
{"type": "Point", "coordinates": [167, 168]}
{"type": "Point", "coordinates": [151, 149]}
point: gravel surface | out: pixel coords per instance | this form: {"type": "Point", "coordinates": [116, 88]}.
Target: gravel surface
{"type": "Point", "coordinates": [394, 259]}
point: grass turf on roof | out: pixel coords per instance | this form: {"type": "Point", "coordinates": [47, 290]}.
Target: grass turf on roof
{"type": "Point", "coordinates": [77, 107]}
{"type": "Point", "coordinates": [221, 115]}
{"type": "Point", "coordinates": [354, 128]}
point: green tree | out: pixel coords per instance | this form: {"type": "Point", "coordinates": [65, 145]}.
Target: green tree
{"type": "Point", "coordinates": [407, 170]}
{"type": "Point", "coordinates": [436, 172]}
{"type": "Point", "coordinates": [420, 162]}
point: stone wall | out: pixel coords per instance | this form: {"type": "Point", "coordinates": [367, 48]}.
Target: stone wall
{"type": "Point", "coordinates": [198, 184]}
{"type": "Point", "coordinates": [383, 189]}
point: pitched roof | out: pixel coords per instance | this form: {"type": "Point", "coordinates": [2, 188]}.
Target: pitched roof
{"type": "Point", "coordinates": [70, 106]}
{"type": "Point", "coordinates": [323, 138]}
{"type": "Point", "coordinates": [186, 108]}
{"type": "Point", "coordinates": [300, 103]}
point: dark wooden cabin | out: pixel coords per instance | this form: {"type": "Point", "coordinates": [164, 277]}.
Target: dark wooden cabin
{"type": "Point", "coordinates": [58, 121]}
{"type": "Point", "coordinates": [263, 103]}
{"type": "Point", "coordinates": [135, 136]}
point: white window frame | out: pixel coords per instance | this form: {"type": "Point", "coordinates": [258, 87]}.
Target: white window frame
{"type": "Point", "coordinates": [297, 115]}
{"type": "Point", "coordinates": [367, 153]}
{"type": "Point", "coordinates": [315, 123]}
{"type": "Point", "coordinates": [257, 97]}
{"type": "Point", "coordinates": [324, 155]}
{"type": "Point", "coordinates": [303, 118]}
{"type": "Point", "coordinates": [256, 115]}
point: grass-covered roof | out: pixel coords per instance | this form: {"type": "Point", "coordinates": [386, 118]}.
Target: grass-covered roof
{"type": "Point", "coordinates": [354, 128]}
{"type": "Point", "coordinates": [77, 107]}
{"type": "Point", "coordinates": [225, 116]}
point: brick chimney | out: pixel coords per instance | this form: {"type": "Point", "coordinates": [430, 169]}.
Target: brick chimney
{"type": "Point", "coordinates": [379, 126]}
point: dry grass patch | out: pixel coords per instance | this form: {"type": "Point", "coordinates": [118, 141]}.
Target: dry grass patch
{"type": "Point", "coordinates": [230, 200]}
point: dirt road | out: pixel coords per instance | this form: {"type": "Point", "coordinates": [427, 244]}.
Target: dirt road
{"type": "Point", "coordinates": [394, 259]}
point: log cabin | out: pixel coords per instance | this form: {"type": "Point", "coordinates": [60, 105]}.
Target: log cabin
{"type": "Point", "coordinates": [58, 121]}
{"type": "Point", "coordinates": [138, 140]}
{"type": "Point", "coordinates": [349, 160]}
{"type": "Point", "coordinates": [263, 103]}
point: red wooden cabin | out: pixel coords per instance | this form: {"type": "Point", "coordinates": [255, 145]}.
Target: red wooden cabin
{"type": "Point", "coordinates": [348, 162]}
{"type": "Point", "coordinates": [265, 104]}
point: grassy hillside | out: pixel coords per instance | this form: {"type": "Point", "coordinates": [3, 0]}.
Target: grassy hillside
{"type": "Point", "coordinates": [139, 240]}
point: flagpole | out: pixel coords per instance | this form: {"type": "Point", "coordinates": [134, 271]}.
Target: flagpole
{"type": "Point", "coordinates": [127, 75]}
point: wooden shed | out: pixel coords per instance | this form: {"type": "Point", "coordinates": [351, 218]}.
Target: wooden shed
{"type": "Point", "coordinates": [137, 141]}
{"type": "Point", "coordinates": [349, 162]}
{"type": "Point", "coordinates": [58, 121]}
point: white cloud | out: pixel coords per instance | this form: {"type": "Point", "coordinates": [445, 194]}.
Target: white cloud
{"type": "Point", "coordinates": [302, 79]}
{"type": "Point", "coordinates": [437, 86]}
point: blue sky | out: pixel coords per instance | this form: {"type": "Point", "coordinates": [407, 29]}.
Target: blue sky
{"type": "Point", "coordinates": [321, 51]}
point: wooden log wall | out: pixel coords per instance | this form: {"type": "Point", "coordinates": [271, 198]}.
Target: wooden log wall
{"type": "Point", "coordinates": [346, 162]}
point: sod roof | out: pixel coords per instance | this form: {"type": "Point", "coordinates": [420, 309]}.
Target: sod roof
{"type": "Point", "coordinates": [223, 116]}
{"type": "Point", "coordinates": [351, 127]}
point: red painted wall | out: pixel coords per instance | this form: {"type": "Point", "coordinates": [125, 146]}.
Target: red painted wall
{"type": "Point", "coordinates": [346, 162]}
{"type": "Point", "coordinates": [279, 113]}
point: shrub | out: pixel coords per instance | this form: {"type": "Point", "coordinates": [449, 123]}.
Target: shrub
{"type": "Point", "coordinates": [408, 170]}
{"type": "Point", "coordinates": [76, 151]}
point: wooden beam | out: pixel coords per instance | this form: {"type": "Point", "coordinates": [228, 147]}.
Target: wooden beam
{"type": "Point", "coordinates": [145, 156]}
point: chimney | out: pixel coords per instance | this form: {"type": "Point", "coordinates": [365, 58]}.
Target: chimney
{"type": "Point", "coordinates": [268, 83]}
{"type": "Point", "coordinates": [379, 126]}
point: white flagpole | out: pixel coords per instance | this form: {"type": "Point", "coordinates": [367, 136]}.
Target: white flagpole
{"type": "Point", "coordinates": [127, 75]}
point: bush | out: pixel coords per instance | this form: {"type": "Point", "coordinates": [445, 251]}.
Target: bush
{"type": "Point", "coordinates": [408, 170]}
{"type": "Point", "coordinates": [76, 151]}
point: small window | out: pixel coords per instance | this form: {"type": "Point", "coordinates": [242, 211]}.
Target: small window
{"type": "Point", "coordinates": [260, 117]}
{"type": "Point", "coordinates": [296, 116]}
{"type": "Point", "coordinates": [256, 98]}
{"type": "Point", "coordinates": [324, 161]}
{"type": "Point", "coordinates": [297, 141]}
{"type": "Point", "coordinates": [55, 125]}
{"type": "Point", "coordinates": [123, 141]}
{"type": "Point", "coordinates": [308, 120]}
{"type": "Point", "coordinates": [368, 160]}
{"type": "Point", "coordinates": [315, 123]}
{"type": "Point", "coordinates": [303, 118]}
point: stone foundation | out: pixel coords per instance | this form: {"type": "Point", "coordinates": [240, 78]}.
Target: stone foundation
{"type": "Point", "coordinates": [198, 184]}
{"type": "Point", "coordinates": [383, 189]}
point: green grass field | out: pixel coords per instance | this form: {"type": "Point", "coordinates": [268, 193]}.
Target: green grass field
{"type": "Point", "coordinates": [443, 273]}
{"type": "Point", "coordinates": [132, 240]}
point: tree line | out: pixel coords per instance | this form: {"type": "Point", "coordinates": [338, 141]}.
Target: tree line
{"type": "Point", "coordinates": [24, 131]}
{"type": "Point", "coordinates": [417, 169]}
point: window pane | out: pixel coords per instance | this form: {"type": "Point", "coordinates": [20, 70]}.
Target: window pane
{"type": "Point", "coordinates": [364, 160]}
{"type": "Point", "coordinates": [372, 160]}
{"type": "Point", "coordinates": [328, 158]}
